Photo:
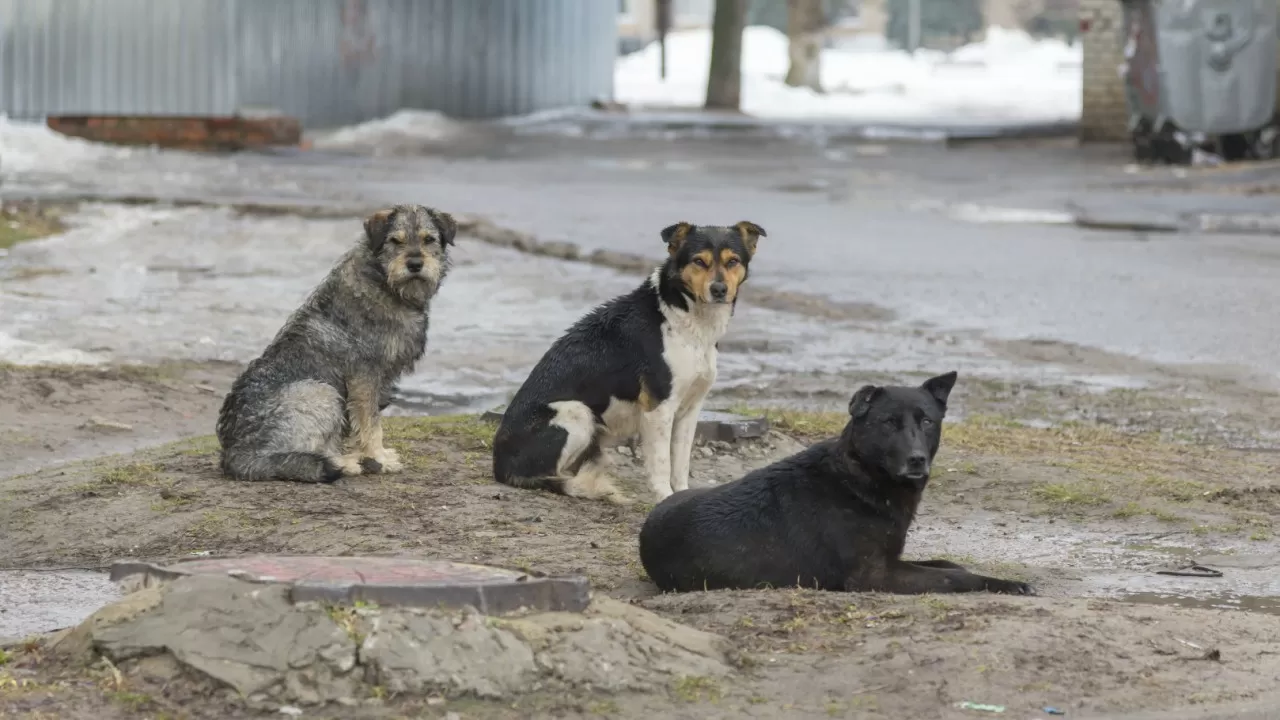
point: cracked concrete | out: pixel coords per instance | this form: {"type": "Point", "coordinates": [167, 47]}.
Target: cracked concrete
{"type": "Point", "coordinates": [253, 639]}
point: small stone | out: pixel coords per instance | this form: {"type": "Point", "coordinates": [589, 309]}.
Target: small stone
{"type": "Point", "coordinates": [290, 710]}
{"type": "Point", "coordinates": [98, 424]}
{"type": "Point", "coordinates": [452, 716]}
{"type": "Point", "coordinates": [435, 701]}
{"type": "Point", "coordinates": [706, 452]}
{"type": "Point", "coordinates": [624, 451]}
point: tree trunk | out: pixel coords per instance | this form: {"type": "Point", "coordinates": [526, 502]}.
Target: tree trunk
{"type": "Point", "coordinates": [724, 79]}
{"type": "Point", "coordinates": [804, 41]}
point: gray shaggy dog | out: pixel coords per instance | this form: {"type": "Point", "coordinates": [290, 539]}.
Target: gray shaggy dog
{"type": "Point", "coordinates": [309, 409]}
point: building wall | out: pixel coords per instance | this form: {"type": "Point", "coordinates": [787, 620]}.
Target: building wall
{"type": "Point", "coordinates": [1106, 115]}
{"type": "Point", "coordinates": [326, 62]}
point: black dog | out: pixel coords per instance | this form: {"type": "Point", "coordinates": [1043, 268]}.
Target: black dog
{"type": "Point", "coordinates": [832, 517]}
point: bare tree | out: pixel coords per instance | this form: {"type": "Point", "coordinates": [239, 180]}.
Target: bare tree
{"type": "Point", "coordinates": [724, 79]}
{"type": "Point", "coordinates": [805, 25]}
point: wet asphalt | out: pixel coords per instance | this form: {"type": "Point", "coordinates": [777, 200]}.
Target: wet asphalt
{"type": "Point", "coordinates": [874, 223]}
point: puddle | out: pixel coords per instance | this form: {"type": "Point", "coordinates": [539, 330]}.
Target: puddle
{"type": "Point", "coordinates": [1223, 601]}
{"type": "Point", "coordinates": [38, 602]}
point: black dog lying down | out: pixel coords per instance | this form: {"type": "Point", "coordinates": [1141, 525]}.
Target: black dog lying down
{"type": "Point", "coordinates": [834, 516]}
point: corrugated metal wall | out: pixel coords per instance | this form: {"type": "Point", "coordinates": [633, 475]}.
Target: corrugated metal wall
{"type": "Point", "coordinates": [327, 62]}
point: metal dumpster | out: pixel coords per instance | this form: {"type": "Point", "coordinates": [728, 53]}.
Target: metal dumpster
{"type": "Point", "coordinates": [1201, 74]}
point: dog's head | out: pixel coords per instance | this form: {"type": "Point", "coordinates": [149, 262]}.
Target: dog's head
{"type": "Point", "coordinates": [708, 263]}
{"type": "Point", "coordinates": [410, 245]}
{"type": "Point", "coordinates": [896, 430]}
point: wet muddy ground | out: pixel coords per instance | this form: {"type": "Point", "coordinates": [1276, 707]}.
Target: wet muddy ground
{"type": "Point", "coordinates": [1083, 471]}
{"type": "Point", "coordinates": [1086, 512]}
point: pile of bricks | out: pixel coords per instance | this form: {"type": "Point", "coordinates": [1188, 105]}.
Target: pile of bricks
{"type": "Point", "coordinates": [187, 133]}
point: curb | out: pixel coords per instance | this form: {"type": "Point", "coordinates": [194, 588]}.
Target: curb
{"type": "Point", "coordinates": [678, 120]}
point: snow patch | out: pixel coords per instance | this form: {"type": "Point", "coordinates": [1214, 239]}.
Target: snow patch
{"type": "Point", "coordinates": [31, 148]}
{"type": "Point", "coordinates": [395, 129]}
{"type": "Point", "coordinates": [1008, 76]}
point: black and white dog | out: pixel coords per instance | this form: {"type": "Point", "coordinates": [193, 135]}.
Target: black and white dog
{"type": "Point", "coordinates": [640, 364]}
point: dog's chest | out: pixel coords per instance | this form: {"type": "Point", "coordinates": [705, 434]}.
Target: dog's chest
{"type": "Point", "coordinates": [689, 348]}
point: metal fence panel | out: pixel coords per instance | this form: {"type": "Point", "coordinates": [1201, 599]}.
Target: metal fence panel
{"type": "Point", "coordinates": [96, 57]}
{"type": "Point", "coordinates": [327, 62]}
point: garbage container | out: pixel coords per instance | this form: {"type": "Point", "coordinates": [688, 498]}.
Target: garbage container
{"type": "Point", "coordinates": [1201, 74]}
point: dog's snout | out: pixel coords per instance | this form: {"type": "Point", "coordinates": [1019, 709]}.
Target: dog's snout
{"type": "Point", "coordinates": [414, 264]}
{"type": "Point", "coordinates": [917, 461]}
{"type": "Point", "coordinates": [719, 290]}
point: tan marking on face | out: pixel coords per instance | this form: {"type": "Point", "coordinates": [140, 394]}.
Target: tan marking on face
{"type": "Point", "coordinates": [645, 399]}
{"type": "Point", "coordinates": [732, 272]}
{"type": "Point", "coordinates": [678, 237]}
{"type": "Point", "coordinates": [750, 234]}
{"type": "Point", "coordinates": [697, 278]}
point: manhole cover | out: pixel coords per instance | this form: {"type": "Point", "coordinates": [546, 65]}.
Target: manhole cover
{"type": "Point", "coordinates": [385, 581]}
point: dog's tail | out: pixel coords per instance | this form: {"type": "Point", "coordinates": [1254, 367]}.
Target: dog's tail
{"type": "Point", "coordinates": [306, 467]}
{"type": "Point", "coordinates": [550, 484]}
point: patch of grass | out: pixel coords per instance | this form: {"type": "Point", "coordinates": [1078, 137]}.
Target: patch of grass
{"type": "Point", "coordinates": [202, 446]}
{"type": "Point", "coordinates": [131, 474]}
{"type": "Point", "coordinates": [697, 688]}
{"type": "Point", "coordinates": [470, 431]}
{"type": "Point", "coordinates": [604, 708]}
{"type": "Point", "coordinates": [1089, 492]}
{"type": "Point", "coordinates": [348, 619]}
{"type": "Point", "coordinates": [134, 701]}
{"type": "Point", "coordinates": [803, 424]}
{"type": "Point", "coordinates": [1166, 516]}
{"type": "Point", "coordinates": [5, 657]}
{"type": "Point", "coordinates": [1128, 510]}
{"type": "Point", "coordinates": [20, 223]}
{"type": "Point", "coordinates": [1176, 489]}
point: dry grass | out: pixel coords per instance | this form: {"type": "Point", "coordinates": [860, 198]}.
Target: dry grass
{"type": "Point", "coordinates": [23, 222]}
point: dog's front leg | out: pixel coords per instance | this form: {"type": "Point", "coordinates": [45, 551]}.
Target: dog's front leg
{"type": "Point", "coordinates": [683, 433]}
{"type": "Point", "coordinates": [655, 441]}
{"type": "Point", "coordinates": [363, 398]}
{"type": "Point", "coordinates": [908, 578]}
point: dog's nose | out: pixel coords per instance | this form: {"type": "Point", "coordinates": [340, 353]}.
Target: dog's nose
{"type": "Point", "coordinates": [917, 461]}
{"type": "Point", "coordinates": [719, 290]}
{"type": "Point", "coordinates": [414, 264]}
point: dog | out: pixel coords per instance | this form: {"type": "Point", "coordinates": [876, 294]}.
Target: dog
{"type": "Point", "coordinates": [832, 517]}
{"type": "Point", "coordinates": [309, 409]}
{"type": "Point", "coordinates": [640, 364]}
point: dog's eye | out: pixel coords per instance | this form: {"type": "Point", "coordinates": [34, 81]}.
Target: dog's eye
{"type": "Point", "coordinates": [926, 422]}
{"type": "Point", "coordinates": [890, 423]}
{"type": "Point", "coordinates": [733, 262]}
{"type": "Point", "coordinates": [396, 239]}
{"type": "Point", "coordinates": [700, 263]}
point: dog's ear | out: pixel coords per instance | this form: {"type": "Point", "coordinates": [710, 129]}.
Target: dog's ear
{"type": "Point", "coordinates": [675, 235]}
{"type": "Point", "coordinates": [751, 234]}
{"type": "Point", "coordinates": [445, 223]}
{"type": "Point", "coordinates": [376, 226]}
{"type": "Point", "coordinates": [940, 387]}
{"type": "Point", "coordinates": [860, 404]}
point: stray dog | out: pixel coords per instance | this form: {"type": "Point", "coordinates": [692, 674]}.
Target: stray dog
{"type": "Point", "coordinates": [832, 517]}
{"type": "Point", "coordinates": [640, 364]}
{"type": "Point", "coordinates": [309, 408]}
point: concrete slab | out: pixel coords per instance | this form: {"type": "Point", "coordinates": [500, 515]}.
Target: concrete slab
{"type": "Point", "coordinates": [385, 581]}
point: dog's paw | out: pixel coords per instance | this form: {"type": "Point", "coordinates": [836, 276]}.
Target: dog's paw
{"type": "Point", "coordinates": [350, 465]}
{"type": "Point", "coordinates": [1010, 587]}
{"type": "Point", "coordinates": [389, 460]}
{"type": "Point", "coordinates": [617, 497]}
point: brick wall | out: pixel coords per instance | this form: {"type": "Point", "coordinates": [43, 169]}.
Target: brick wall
{"type": "Point", "coordinates": [1106, 114]}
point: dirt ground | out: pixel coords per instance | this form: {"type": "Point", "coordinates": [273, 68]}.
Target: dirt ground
{"type": "Point", "coordinates": [1022, 471]}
